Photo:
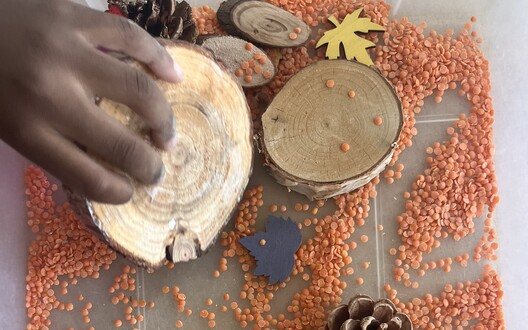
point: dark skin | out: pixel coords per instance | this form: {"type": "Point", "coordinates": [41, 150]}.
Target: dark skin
{"type": "Point", "coordinates": [51, 70]}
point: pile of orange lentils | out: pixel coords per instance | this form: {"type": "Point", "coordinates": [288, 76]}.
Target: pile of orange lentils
{"type": "Point", "coordinates": [458, 186]}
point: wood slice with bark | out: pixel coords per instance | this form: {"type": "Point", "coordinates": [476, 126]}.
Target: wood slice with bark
{"type": "Point", "coordinates": [206, 173]}
{"type": "Point", "coordinates": [262, 23]}
{"type": "Point", "coordinates": [232, 52]}
{"type": "Point", "coordinates": [323, 107]}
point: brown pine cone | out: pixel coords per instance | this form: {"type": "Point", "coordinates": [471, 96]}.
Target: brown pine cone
{"type": "Point", "coordinates": [167, 19]}
{"type": "Point", "coordinates": [362, 313]}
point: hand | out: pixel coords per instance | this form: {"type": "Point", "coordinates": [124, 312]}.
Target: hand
{"type": "Point", "coordinates": [51, 70]}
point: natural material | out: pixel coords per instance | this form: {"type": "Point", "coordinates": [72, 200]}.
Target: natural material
{"type": "Point", "coordinates": [247, 62]}
{"type": "Point", "coordinates": [262, 23]}
{"type": "Point", "coordinates": [460, 170]}
{"type": "Point", "coordinates": [274, 249]}
{"type": "Point", "coordinates": [313, 115]}
{"type": "Point", "coordinates": [205, 173]}
{"type": "Point", "coordinates": [345, 34]}
{"type": "Point", "coordinates": [168, 19]}
{"type": "Point", "coordinates": [362, 313]}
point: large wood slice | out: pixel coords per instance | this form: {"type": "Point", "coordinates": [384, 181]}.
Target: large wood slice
{"type": "Point", "coordinates": [307, 122]}
{"type": "Point", "coordinates": [206, 173]}
{"type": "Point", "coordinates": [262, 23]}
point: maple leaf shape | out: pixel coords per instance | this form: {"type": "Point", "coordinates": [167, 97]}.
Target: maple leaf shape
{"type": "Point", "coordinates": [275, 258]}
{"type": "Point", "coordinates": [345, 33]}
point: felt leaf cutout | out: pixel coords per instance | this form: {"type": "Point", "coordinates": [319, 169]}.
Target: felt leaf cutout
{"type": "Point", "coordinates": [345, 33]}
{"type": "Point", "coordinates": [275, 258]}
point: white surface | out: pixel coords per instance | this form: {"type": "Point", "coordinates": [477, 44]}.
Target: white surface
{"type": "Point", "coordinates": [501, 23]}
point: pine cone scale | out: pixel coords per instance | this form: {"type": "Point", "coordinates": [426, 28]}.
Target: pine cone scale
{"type": "Point", "coordinates": [362, 313]}
{"type": "Point", "coordinates": [167, 19]}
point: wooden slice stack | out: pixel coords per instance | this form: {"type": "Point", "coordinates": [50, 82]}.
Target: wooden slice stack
{"type": "Point", "coordinates": [307, 123]}
{"type": "Point", "coordinates": [205, 174]}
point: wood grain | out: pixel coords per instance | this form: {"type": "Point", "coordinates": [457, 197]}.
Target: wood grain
{"type": "Point", "coordinates": [307, 122]}
{"type": "Point", "coordinates": [206, 173]}
{"type": "Point", "coordinates": [262, 23]}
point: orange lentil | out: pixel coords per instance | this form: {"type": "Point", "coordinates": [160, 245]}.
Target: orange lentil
{"type": "Point", "coordinates": [297, 30]}
{"type": "Point", "coordinates": [249, 46]}
{"type": "Point", "coordinates": [378, 121]}
{"type": "Point", "coordinates": [179, 324]}
{"type": "Point", "coordinates": [366, 264]}
{"type": "Point", "coordinates": [204, 313]}
{"type": "Point", "coordinates": [118, 323]}
{"type": "Point", "coordinates": [292, 35]}
{"type": "Point", "coordinates": [330, 83]}
{"type": "Point", "coordinates": [239, 72]}
{"type": "Point", "coordinates": [359, 281]}
{"type": "Point", "coordinates": [211, 324]}
{"type": "Point", "coordinates": [209, 301]}
{"type": "Point", "coordinates": [248, 78]}
{"type": "Point", "coordinates": [216, 274]}
{"type": "Point", "coordinates": [345, 147]}
{"type": "Point", "coordinates": [351, 93]}
{"type": "Point", "coordinates": [380, 227]}
{"type": "Point", "coordinates": [188, 312]}
{"type": "Point", "coordinates": [364, 238]}
{"type": "Point", "coordinates": [244, 65]}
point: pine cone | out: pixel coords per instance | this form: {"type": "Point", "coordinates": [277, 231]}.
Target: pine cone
{"type": "Point", "coordinates": [362, 313]}
{"type": "Point", "coordinates": [167, 19]}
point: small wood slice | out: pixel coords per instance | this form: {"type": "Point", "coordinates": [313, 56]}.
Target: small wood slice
{"type": "Point", "coordinates": [206, 173]}
{"type": "Point", "coordinates": [263, 23]}
{"type": "Point", "coordinates": [232, 53]}
{"type": "Point", "coordinates": [307, 123]}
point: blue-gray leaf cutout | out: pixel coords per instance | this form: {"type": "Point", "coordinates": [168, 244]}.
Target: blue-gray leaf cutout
{"type": "Point", "coordinates": [275, 258]}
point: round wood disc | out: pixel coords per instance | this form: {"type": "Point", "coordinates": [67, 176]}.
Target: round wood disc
{"type": "Point", "coordinates": [307, 123]}
{"type": "Point", "coordinates": [232, 53]}
{"type": "Point", "coordinates": [262, 23]}
{"type": "Point", "coordinates": [206, 173]}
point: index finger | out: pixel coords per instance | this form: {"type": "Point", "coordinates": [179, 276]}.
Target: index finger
{"type": "Point", "coordinates": [120, 34]}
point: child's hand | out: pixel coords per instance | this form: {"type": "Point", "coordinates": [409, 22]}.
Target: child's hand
{"type": "Point", "coordinates": [50, 73]}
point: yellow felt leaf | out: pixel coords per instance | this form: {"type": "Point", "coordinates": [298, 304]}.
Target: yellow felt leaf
{"type": "Point", "coordinates": [345, 34]}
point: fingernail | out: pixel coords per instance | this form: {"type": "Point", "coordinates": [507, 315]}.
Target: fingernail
{"type": "Point", "coordinates": [178, 71]}
{"type": "Point", "coordinates": [172, 142]}
{"type": "Point", "coordinates": [162, 174]}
